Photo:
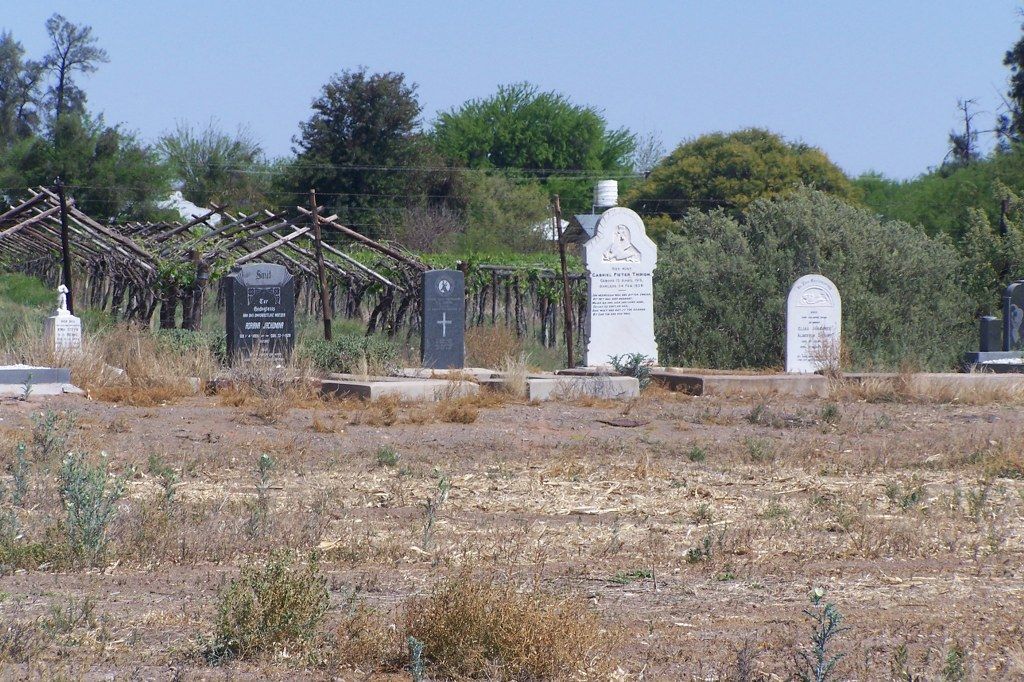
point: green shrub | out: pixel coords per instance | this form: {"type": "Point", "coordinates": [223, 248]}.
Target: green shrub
{"type": "Point", "coordinates": [721, 286]}
{"type": "Point", "coordinates": [89, 495]}
{"type": "Point", "coordinates": [347, 353]}
{"type": "Point", "coordinates": [269, 606]}
{"type": "Point", "coordinates": [188, 341]}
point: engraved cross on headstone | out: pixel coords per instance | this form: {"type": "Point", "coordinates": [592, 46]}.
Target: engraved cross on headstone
{"type": "Point", "coordinates": [444, 322]}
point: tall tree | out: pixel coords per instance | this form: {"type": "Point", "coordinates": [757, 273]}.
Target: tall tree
{"type": "Point", "coordinates": [543, 134]}
{"type": "Point", "coordinates": [213, 166]}
{"type": "Point", "coordinates": [19, 91]}
{"type": "Point", "coordinates": [360, 146]}
{"type": "Point", "coordinates": [730, 170]}
{"type": "Point", "coordinates": [73, 49]}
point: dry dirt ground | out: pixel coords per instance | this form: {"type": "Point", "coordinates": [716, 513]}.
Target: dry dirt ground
{"type": "Point", "coordinates": [697, 537]}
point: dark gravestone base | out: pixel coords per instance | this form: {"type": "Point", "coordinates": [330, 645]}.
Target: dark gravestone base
{"type": "Point", "coordinates": [443, 343]}
{"type": "Point", "coordinates": [260, 312]}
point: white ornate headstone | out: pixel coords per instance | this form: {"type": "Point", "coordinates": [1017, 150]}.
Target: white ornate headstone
{"type": "Point", "coordinates": [814, 315]}
{"type": "Point", "coordinates": [620, 261]}
{"type": "Point", "coordinates": [63, 330]}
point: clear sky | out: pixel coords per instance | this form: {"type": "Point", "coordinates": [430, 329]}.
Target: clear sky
{"type": "Point", "coordinates": [873, 83]}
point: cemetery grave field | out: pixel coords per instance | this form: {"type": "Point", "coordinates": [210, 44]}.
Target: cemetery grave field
{"type": "Point", "coordinates": [684, 547]}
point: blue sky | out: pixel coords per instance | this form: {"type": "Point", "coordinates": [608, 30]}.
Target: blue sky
{"type": "Point", "coordinates": [874, 84]}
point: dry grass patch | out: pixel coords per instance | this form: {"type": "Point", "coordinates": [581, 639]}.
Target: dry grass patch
{"type": "Point", "coordinates": [489, 346]}
{"type": "Point", "coordinates": [366, 641]}
{"type": "Point", "coordinates": [924, 389]}
{"type": "Point", "coordinates": [483, 627]}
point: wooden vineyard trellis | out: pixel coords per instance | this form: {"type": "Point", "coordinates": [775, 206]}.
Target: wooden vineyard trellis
{"type": "Point", "coordinates": [139, 270]}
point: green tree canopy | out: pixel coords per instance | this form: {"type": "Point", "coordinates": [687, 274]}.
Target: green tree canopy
{"type": "Point", "coordinates": [731, 170]}
{"type": "Point", "coordinates": [361, 148]}
{"type": "Point", "coordinates": [19, 92]}
{"type": "Point", "coordinates": [107, 170]}
{"type": "Point", "coordinates": [537, 134]}
{"type": "Point", "coordinates": [213, 166]}
{"type": "Point", "coordinates": [73, 49]}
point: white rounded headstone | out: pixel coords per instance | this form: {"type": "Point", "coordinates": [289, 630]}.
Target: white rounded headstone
{"type": "Point", "coordinates": [814, 314]}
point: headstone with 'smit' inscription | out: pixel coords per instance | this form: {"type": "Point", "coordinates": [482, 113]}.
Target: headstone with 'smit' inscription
{"type": "Point", "coordinates": [260, 311]}
{"type": "Point", "coordinates": [620, 261]}
{"type": "Point", "coordinates": [813, 324]}
{"type": "Point", "coordinates": [443, 344]}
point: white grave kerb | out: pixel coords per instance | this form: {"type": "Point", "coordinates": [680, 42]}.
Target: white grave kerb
{"type": "Point", "coordinates": [63, 331]}
{"type": "Point", "coordinates": [814, 315]}
{"type": "Point", "coordinates": [620, 259]}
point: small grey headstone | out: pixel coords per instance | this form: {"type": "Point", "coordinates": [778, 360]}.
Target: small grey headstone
{"type": "Point", "coordinates": [444, 314]}
{"type": "Point", "coordinates": [1013, 317]}
{"type": "Point", "coordinates": [260, 307]}
{"type": "Point", "coordinates": [991, 337]}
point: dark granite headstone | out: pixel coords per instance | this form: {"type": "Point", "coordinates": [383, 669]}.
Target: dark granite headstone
{"type": "Point", "coordinates": [991, 338]}
{"type": "Point", "coordinates": [1013, 317]}
{"type": "Point", "coordinates": [444, 315]}
{"type": "Point", "coordinates": [260, 311]}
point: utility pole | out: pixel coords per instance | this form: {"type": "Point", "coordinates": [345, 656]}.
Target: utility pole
{"type": "Point", "coordinates": [566, 291]}
{"type": "Point", "coordinates": [324, 299]}
{"type": "Point", "coordinates": [64, 245]}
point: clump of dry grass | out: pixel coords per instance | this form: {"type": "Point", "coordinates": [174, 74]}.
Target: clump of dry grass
{"type": "Point", "coordinates": [381, 412]}
{"type": "Point", "coordinates": [489, 346]}
{"type": "Point", "coordinates": [126, 364]}
{"type": "Point", "coordinates": [924, 389]}
{"type": "Point", "coordinates": [459, 411]}
{"type": "Point", "coordinates": [268, 387]}
{"type": "Point", "coordinates": [365, 640]}
{"type": "Point", "coordinates": [475, 627]}
{"type": "Point", "coordinates": [514, 372]}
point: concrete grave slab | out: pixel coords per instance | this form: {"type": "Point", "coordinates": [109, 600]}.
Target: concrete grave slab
{"type": "Point", "coordinates": [412, 390]}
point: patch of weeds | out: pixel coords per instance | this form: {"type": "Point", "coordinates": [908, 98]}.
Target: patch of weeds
{"type": "Point", "coordinates": [774, 510]}
{"type": "Point", "coordinates": [702, 552]}
{"type": "Point", "coordinates": [165, 475]}
{"type": "Point", "coordinates": [977, 498]}
{"type": "Point", "coordinates": [955, 667]}
{"type": "Point", "coordinates": [635, 365]}
{"type": "Point", "coordinates": [899, 666]}
{"type": "Point", "coordinates": [51, 432]}
{"type": "Point", "coordinates": [819, 664]}
{"type": "Point", "coordinates": [697, 454]}
{"type": "Point", "coordinates": [762, 415]}
{"type": "Point", "coordinates": [830, 414]}
{"type": "Point", "coordinates": [903, 498]}
{"type": "Point", "coordinates": [19, 469]}
{"type": "Point", "coordinates": [627, 577]}
{"type": "Point", "coordinates": [364, 639]}
{"type": "Point", "coordinates": [431, 506]}
{"type": "Point", "coordinates": [704, 513]}
{"type": "Point", "coordinates": [89, 495]}
{"type": "Point", "coordinates": [387, 456]}
{"type": "Point", "coordinates": [478, 627]}
{"type": "Point", "coordinates": [72, 613]}
{"type": "Point", "coordinates": [883, 421]}
{"type": "Point", "coordinates": [21, 640]}
{"type": "Point", "coordinates": [759, 450]}
{"type": "Point", "coordinates": [259, 512]}
{"type": "Point", "coordinates": [269, 607]}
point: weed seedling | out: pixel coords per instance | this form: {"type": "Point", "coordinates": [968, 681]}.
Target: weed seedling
{"type": "Point", "coordinates": [430, 508]}
{"type": "Point", "coordinates": [955, 668]}
{"type": "Point", "coordinates": [760, 451]}
{"type": "Point", "coordinates": [387, 456]}
{"type": "Point", "coordinates": [830, 414]}
{"type": "Point", "coordinates": [818, 665]}
{"type": "Point", "coordinates": [20, 471]}
{"type": "Point", "coordinates": [697, 454]}
{"type": "Point", "coordinates": [259, 515]}
{"type": "Point", "coordinates": [635, 365]}
{"type": "Point", "coordinates": [627, 577]}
